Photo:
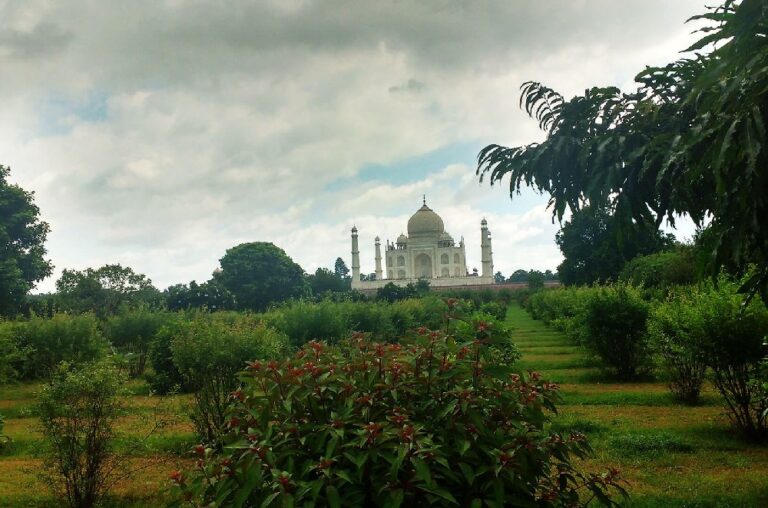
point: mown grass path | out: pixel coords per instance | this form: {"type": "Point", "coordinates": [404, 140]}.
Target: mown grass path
{"type": "Point", "coordinates": [671, 454]}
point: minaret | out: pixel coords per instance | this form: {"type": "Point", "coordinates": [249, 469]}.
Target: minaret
{"type": "Point", "coordinates": [355, 259]}
{"type": "Point", "coordinates": [379, 274]}
{"type": "Point", "coordinates": [487, 253]}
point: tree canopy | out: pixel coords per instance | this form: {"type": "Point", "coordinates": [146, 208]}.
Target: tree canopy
{"type": "Point", "coordinates": [211, 295]}
{"type": "Point", "coordinates": [595, 252]}
{"type": "Point", "coordinates": [691, 139]}
{"type": "Point", "coordinates": [260, 273]}
{"type": "Point", "coordinates": [324, 280]}
{"type": "Point", "coordinates": [103, 290]}
{"type": "Point", "coordinates": [22, 251]}
{"type": "Point", "coordinates": [340, 269]}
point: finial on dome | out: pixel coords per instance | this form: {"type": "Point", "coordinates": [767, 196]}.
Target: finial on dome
{"type": "Point", "coordinates": [423, 199]}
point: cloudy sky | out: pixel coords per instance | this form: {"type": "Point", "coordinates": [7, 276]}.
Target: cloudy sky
{"type": "Point", "coordinates": [159, 133]}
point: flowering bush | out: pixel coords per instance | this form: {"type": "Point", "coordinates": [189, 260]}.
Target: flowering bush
{"type": "Point", "coordinates": [432, 420]}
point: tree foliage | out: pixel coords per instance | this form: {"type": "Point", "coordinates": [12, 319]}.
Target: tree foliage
{"type": "Point", "coordinates": [340, 269]}
{"type": "Point", "coordinates": [691, 139]}
{"type": "Point", "coordinates": [535, 280]}
{"type": "Point", "coordinates": [324, 280]}
{"type": "Point", "coordinates": [211, 295]}
{"type": "Point", "coordinates": [594, 249]}
{"type": "Point", "coordinates": [663, 269]}
{"type": "Point", "coordinates": [103, 290]}
{"type": "Point", "coordinates": [22, 254]}
{"type": "Point", "coordinates": [259, 273]}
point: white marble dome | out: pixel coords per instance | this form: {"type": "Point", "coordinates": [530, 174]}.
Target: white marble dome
{"type": "Point", "coordinates": [425, 222]}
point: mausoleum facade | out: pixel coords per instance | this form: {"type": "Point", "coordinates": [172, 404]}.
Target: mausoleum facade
{"type": "Point", "coordinates": [428, 251]}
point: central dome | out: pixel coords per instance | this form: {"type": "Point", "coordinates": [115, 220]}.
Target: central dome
{"type": "Point", "coordinates": [425, 222]}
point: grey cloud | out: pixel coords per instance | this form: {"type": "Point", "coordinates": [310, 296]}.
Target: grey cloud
{"type": "Point", "coordinates": [161, 43]}
{"type": "Point", "coordinates": [412, 85]}
{"type": "Point", "coordinates": [43, 40]}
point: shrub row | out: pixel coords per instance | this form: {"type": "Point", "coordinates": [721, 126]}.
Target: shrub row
{"type": "Point", "coordinates": [33, 348]}
{"type": "Point", "coordinates": [331, 321]}
{"type": "Point", "coordinates": [689, 332]}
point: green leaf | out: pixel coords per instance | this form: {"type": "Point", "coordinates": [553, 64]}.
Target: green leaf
{"type": "Point", "coordinates": [422, 470]}
{"type": "Point", "coordinates": [332, 495]}
{"type": "Point", "coordinates": [395, 499]}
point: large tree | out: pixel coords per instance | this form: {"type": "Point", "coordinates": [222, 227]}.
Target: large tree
{"type": "Point", "coordinates": [22, 251]}
{"type": "Point", "coordinates": [595, 251]}
{"type": "Point", "coordinates": [260, 273]}
{"type": "Point", "coordinates": [691, 139]}
{"type": "Point", "coordinates": [103, 290]}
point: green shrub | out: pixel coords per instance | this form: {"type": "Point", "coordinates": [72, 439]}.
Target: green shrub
{"type": "Point", "coordinates": [78, 410]}
{"type": "Point", "coordinates": [677, 332]}
{"type": "Point", "coordinates": [303, 321]}
{"type": "Point", "coordinates": [734, 348]}
{"type": "Point", "coordinates": [428, 311]}
{"type": "Point", "coordinates": [165, 378]}
{"type": "Point", "coordinates": [615, 329]}
{"type": "Point", "coordinates": [563, 309]}
{"type": "Point", "coordinates": [10, 356]}
{"type": "Point", "coordinates": [663, 269]}
{"type": "Point", "coordinates": [557, 304]}
{"type": "Point", "coordinates": [370, 317]}
{"type": "Point", "coordinates": [209, 350]}
{"type": "Point", "coordinates": [131, 332]}
{"type": "Point", "coordinates": [428, 421]}
{"type": "Point", "coordinates": [496, 309]}
{"type": "Point", "coordinates": [62, 338]}
{"type": "Point", "coordinates": [331, 321]}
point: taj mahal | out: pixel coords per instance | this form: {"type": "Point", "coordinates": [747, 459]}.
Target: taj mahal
{"type": "Point", "coordinates": [427, 252]}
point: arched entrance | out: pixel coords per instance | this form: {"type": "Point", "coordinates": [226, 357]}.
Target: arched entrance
{"type": "Point", "coordinates": [423, 266]}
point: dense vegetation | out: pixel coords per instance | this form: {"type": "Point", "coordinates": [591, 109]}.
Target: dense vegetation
{"type": "Point", "coordinates": [685, 333]}
{"type": "Point", "coordinates": [437, 418]}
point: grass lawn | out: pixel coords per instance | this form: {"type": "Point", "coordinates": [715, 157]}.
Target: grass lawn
{"type": "Point", "coordinates": [150, 463]}
{"type": "Point", "coordinates": [670, 454]}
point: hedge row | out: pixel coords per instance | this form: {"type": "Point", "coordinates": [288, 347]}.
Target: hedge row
{"type": "Point", "coordinates": [690, 332]}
